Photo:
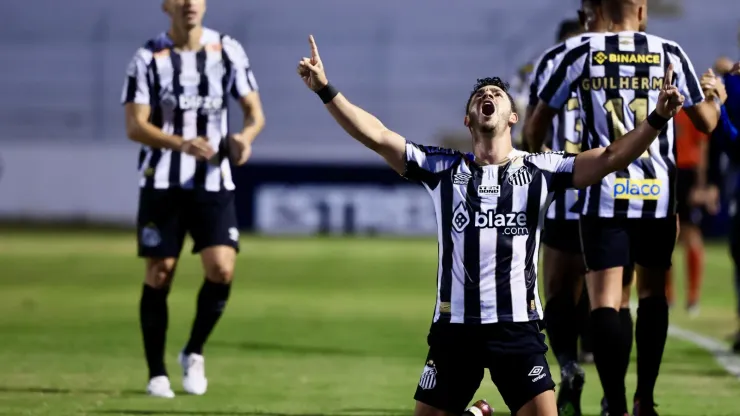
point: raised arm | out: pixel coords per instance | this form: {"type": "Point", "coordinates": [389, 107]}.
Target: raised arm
{"type": "Point", "coordinates": [591, 166]}
{"type": "Point", "coordinates": [358, 123]}
{"type": "Point", "coordinates": [701, 104]}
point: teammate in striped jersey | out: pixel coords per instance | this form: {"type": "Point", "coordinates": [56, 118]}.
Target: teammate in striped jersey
{"type": "Point", "coordinates": [562, 260]}
{"type": "Point", "coordinates": [489, 206]}
{"type": "Point", "coordinates": [175, 96]}
{"type": "Point", "coordinates": [630, 215]}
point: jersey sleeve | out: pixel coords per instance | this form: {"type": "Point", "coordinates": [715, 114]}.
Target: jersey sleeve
{"type": "Point", "coordinates": [244, 80]}
{"type": "Point", "coordinates": [542, 69]}
{"type": "Point", "coordinates": [136, 84]}
{"type": "Point", "coordinates": [686, 79]}
{"type": "Point", "coordinates": [557, 168]}
{"type": "Point", "coordinates": [566, 72]}
{"type": "Point", "coordinates": [423, 163]}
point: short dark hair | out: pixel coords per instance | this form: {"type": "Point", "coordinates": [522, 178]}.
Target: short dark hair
{"type": "Point", "coordinates": [496, 82]}
{"type": "Point", "coordinates": [567, 28]}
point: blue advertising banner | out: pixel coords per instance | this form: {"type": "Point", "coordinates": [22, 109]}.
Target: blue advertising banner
{"type": "Point", "coordinates": [330, 199]}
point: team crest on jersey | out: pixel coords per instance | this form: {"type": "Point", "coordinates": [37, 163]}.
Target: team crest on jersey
{"type": "Point", "coordinates": [461, 178]}
{"type": "Point", "coordinates": [521, 177]}
{"type": "Point", "coordinates": [428, 378]}
{"type": "Point", "coordinates": [150, 236]}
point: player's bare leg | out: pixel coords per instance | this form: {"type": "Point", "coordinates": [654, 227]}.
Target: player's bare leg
{"type": "Point", "coordinates": [563, 285]}
{"type": "Point", "coordinates": [605, 288]}
{"type": "Point", "coordinates": [218, 263]}
{"type": "Point", "coordinates": [423, 409]}
{"type": "Point", "coordinates": [542, 405]}
{"type": "Point", "coordinates": [153, 318]}
{"type": "Point", "coordinates": [651, 333]}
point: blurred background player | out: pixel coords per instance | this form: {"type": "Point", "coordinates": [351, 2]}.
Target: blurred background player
{"type": "Point", "coordinates": [691, 162]}
{"type": "Point", "coordinates": [562, 261]}
{"type": "Point", "coordinates": [630, 216]}
{"type": "Point", "coordinates": [726, 138]}
{"type": "Point", "coordinates": [176, 97]}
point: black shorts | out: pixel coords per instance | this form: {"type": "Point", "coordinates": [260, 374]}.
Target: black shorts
{"type": "Point", "coordinates": [621, 242]}
{"type": "Point", "coordinates": [687, 214]}
{"type": "Point", "coordinates": [166, 215]}
{"type": "Point", "coordinates": [562, 235]}
{"type": "Point", "coordinates": [513, 352]}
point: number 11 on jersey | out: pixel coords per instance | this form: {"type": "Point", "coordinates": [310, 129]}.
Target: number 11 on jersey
{"type": "Point", "coordinates": [615, 109]}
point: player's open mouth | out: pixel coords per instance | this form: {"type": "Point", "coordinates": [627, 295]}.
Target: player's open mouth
{"type": "Point", "coordinates": [487, 108]}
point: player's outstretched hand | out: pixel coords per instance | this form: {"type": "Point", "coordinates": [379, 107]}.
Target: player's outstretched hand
{"type": "Point", "coordinates": [670, 100]}
{"type": "Point", "coordinates": [311, 69]}
{"type": "Point", "coordinates": [240, 149]}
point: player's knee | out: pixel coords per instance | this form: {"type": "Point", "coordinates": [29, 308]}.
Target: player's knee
{"type": "Point", "coordinates": [159, 272]}
{"type": "Point", "coordinates": [221, 272]}
{"type": "Point", "coordinates": [651, 282]}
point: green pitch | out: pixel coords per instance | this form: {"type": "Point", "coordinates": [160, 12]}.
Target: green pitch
{"type": "Point", "coordinates": [313, 327]}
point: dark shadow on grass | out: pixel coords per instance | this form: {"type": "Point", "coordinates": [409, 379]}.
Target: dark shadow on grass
{"type": "Point", "coordinates": [292, 349]}
{"type": "Point", "coordinates": [203, 413]}
{"type": "Point", "coordinates": [54, 390]}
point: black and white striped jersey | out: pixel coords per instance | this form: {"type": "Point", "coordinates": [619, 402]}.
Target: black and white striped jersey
{"type": "Point", "coordinates": [188, 93]}
{"type": "Point", "coordinates": [618, 77]}
{"type": "Point", "coordinates": [566, 126]}
{"type": "Point", "coordinates": [488, 224]}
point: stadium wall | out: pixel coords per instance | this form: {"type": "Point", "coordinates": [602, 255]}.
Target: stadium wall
{"type": "Point", "coordinates": [98, 185]}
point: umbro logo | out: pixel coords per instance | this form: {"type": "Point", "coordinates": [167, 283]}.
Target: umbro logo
{"type": "Point", "coordinates": [461, 178]}
{"type": "Point", "coordinates": [537, 373]}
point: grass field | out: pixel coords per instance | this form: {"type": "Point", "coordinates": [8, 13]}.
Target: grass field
{"type": "Point", "coordinates": [313, 327]}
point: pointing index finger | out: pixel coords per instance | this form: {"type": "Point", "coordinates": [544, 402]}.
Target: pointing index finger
{"type": "Point", "coordinates": [668, 80]}
{"type": "Point", "coordinates": [314, 48]}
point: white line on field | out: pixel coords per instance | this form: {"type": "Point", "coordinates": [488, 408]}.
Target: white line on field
{"type": "Point", "coordinates": [720, 350]}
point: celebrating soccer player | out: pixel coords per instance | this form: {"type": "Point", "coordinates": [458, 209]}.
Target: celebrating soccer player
{"type": "Point", "coordinates": [176, 97]}
{"type": "Point", "coordinates": [488, 206]}
{"type": "Point", "coordinates": [630, 215]}
{"type": "Point", "coordinates": [563, 261]}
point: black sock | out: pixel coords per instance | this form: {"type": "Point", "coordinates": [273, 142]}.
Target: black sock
{"type": "Point", "coordinates": [625, 317]}
{"type": "Point", "coordinates": [560, 313]}
{"type": "Point", "coordinates": [607, 343]}
{"type": "Point", "coordinates": [211, 303]}
{"type": "Point", "coordinates": [650, 333]}
{"type": "Point", "coordinates": [584, 322]}
{"type": "Point", "coordinates": [153, 320]}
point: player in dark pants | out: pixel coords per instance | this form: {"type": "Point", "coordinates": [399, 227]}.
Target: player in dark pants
{"type": "Point", "coordinates": [619, 224]}
{"type": "Point", "coordinates": [488, 202]}
{"type": "Point", "coordinates": [175, 96]}
{"type": "Point", "coordinates": [726, 138]}
{"type": "Point", "coordinates": [563, 263]}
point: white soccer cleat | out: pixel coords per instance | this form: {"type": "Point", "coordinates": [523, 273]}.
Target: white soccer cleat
{"type": "Point", "coordinates": [194, 373]}
{"type": "Point", "coordinates": [160, 387]}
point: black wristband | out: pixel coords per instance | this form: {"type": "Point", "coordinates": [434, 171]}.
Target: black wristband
{"type": "Point", "coordinates": [657, 121]}
{"type": "Point", "coordinates": [327, 93]}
